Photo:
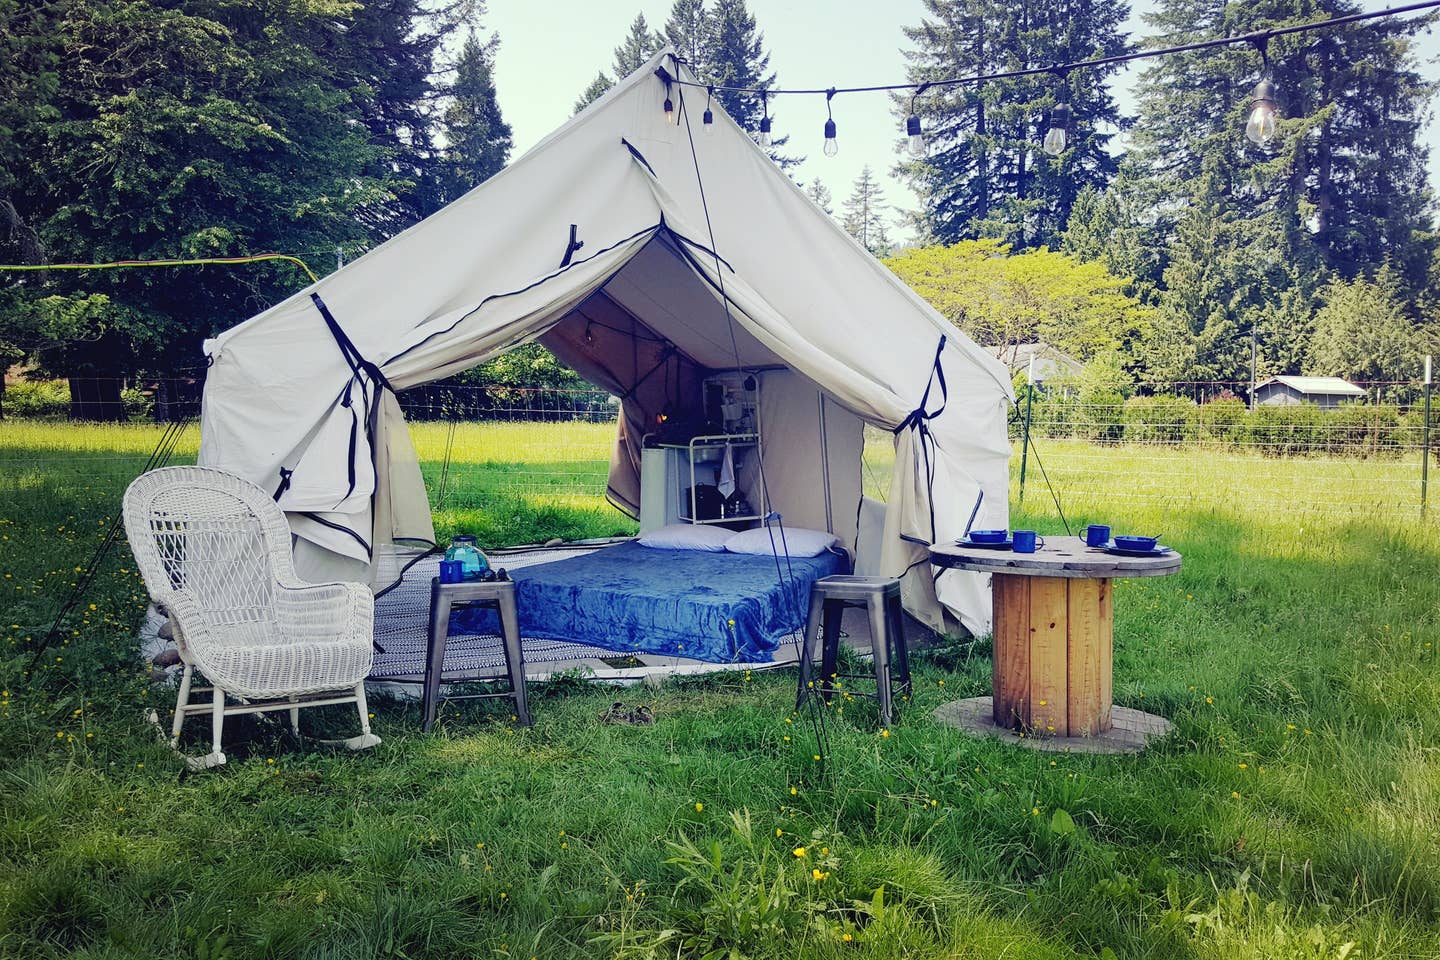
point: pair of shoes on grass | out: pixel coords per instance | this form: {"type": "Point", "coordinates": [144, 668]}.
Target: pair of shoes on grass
{"type": "Point", "coordinates": [641, 716]}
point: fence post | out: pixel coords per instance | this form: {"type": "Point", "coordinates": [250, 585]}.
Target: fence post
{"type": "Point", "coordinates": [1425, 443]}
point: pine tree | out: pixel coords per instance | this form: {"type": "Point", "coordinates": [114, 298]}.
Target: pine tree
{"type": "Point", "coordinates": [1363, 332]}
{"type": "Point", "coordinates": [985, 174]}
{"type": "Point", "coordinates": [1345, 180]}
{"type": "Point", "coordinates": [820, 195]}
{"type": "Point", "coordinates": [222, 130]}
{"type": "Point", "coordinates": [689, 31]}
{"type": "Point", "coordinates": [639, 45]}
{"type": "Point", "coordinates": [597, 89]}
{"type": "Point", "coordinates": [478, 138]}
{"type": "Point", "coordinates": [865, 214]}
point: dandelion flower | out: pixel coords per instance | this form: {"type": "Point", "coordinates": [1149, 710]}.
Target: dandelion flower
{"type": "Point", "coordinates": [699, 807]}
{"type": "Point", "coordinates": [1235, 794]}
{"type": "Point", "coordinates": [799, 852]}
{"type": "Point", "coordinates": [846, 938]}
{"type": "Point", "coordinates": [1209, 699]}
{"type": "Point", "coordinates": [885, 734]}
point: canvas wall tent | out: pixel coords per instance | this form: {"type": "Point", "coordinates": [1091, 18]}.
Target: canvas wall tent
{"type": "Point", "coordinates": [598, 242]}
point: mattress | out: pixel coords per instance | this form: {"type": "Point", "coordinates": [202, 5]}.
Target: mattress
{"type": "Point", "coordinates": [719, 607]}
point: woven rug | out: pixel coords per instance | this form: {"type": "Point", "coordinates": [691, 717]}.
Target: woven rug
{"type": "Point", "coordinates": [402, 623]}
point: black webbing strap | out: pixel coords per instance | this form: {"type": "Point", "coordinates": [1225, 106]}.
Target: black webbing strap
{"type": "Point", "coordinates": [360, 369]}
{"type": "Point", "coordinates": [353, 357]}
{"type": "Point", "coordinates": [639, 156]}
{"type": "Point", "coordinates": [285, 476]}
{"type": "Point", "coordinates": [919, 420]}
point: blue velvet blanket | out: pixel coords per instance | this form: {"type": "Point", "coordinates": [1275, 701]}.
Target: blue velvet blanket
{"type": "Point", "coordinates": [720, 607]}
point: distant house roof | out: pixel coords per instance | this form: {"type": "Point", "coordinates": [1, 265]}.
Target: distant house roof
{"type": "Point", "coordinates": [1317, 386]}
{"type": "Point", "coordinates": [1049, 361]}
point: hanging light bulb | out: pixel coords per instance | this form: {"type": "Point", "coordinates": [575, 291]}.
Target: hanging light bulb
{"type": "Point", "coordinates": [1056, 138]}
{"type": "Point", "coordinates": [832, 146]}
{"type": "Point", "coordinates": [1260, 127]}
{"type": "Point", "coordinates": [708, 118]}
{"type": "Point", "coordinates": [764, 138]}
{"type": "Point", "coordinates": [916, 142]}
{"type": "Point", "coordinates": [669, 106]}
{"type": "Point", "coordinates": [915, 138]}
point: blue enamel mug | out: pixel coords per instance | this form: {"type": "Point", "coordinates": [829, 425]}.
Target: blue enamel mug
{"type": "Point", "coordinates": [1097, 535]}
{"type": "Point", "coordinates": [1026, 541]}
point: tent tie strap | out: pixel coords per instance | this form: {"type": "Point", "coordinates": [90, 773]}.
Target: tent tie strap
{"type": "Point", "coordinates": [356, 360]}
{"type": "Point", "coordinates": [919, 421]}
{"type": "Point", "coordinates": [285, 476]}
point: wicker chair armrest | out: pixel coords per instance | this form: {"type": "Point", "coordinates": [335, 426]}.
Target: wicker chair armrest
{"type": "Point", "coordinates": [325, 611]}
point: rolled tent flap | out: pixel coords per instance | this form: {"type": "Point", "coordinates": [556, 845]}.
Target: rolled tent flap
{"type": "Point", "coordinates": [336, 471]}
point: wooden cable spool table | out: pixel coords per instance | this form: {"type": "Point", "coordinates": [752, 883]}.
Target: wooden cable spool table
{"type": "Point", "coordinates": [1054, 638]}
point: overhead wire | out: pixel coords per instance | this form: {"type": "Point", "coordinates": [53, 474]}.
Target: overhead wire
{"type": "Point", "coordinates": [1252, 37]}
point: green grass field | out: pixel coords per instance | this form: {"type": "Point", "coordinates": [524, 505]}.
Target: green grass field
{"type": "Point", "coordinates": [1295, 812]}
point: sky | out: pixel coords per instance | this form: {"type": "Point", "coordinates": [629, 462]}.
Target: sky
{"type": "Point", "coordinates": [550, 52]}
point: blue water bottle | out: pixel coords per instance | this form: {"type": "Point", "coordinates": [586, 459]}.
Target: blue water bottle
{"type": "Point", "coordinates": [463, 549]}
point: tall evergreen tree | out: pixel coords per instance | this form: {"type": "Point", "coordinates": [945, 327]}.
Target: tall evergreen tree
{"type": "Point", "coordinates": [639, 45]}
{"type": "Point", "coordinates": [201, 129]}
{"type": "Point", "coordinates": [689, 31]}
{"type": "Point", "coordinates": [1347, 172]}
{"type": "Point", "coordinates": [477, 136]}
{"type": "Point", "coordinates": [865, 213]}
{"type": "Point", "coordinates": [385, 57]}
{"type": "Point", "coordinates": [820, 195]}
{"type": "Point", "coordinates": [985, 174]}
{"type": "Point", "coordinates": [597, 89]}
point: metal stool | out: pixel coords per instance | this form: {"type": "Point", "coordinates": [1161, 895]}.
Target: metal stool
{"type": "Point", "coordinates": [497, 593]}
{"type": "Point", "coordinates": [828, 599]}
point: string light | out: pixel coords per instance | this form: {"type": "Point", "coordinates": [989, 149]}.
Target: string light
{"type": "Point", "coordinates": [1260, 126]}
{"type": "Point", "coordinates": [832, 146]}
{"type": "Point", "coordinates": [669, 105]}
{"type": "Point", "coordinates": [708, 118]}
{"type": "Point", "coordinates": [914, 138]}
{"type": "Point", "coordinates": [764, 138]}
{"type": "Point", "coordinates": [1056, 137]}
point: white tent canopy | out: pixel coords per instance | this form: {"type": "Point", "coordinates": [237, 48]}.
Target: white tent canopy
{"type": "Point", "coordinates": [625, 244]}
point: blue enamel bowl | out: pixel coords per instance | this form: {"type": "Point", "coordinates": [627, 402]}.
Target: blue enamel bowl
{"type": "Point", "coordinates": [988, 536]}
{"type": "Point", "coordinates": [1136, 543]}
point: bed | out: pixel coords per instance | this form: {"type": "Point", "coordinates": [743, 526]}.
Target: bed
{"type": "Point", "coordinates": [719, 607]}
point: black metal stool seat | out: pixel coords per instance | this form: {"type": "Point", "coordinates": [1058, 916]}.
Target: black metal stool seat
{"type": "Point", "coordinates": [497, 593]}
{"type": "Point", "coordinates": [829, 597]}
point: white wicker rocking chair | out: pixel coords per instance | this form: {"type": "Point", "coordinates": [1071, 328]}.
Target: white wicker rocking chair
{"type": "Point", "coordinates": [215, 554]}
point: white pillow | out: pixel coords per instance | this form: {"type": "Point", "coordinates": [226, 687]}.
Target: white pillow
{"type": "Point", "coordinates": [796, 541]}
{"type": "Point", "coordinates": [688, 536]}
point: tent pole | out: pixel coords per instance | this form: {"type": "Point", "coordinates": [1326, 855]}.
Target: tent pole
{"type": "Point", "coordinates": [825, 463]}
{"type": "Point", "coordinates": [1025, 443]}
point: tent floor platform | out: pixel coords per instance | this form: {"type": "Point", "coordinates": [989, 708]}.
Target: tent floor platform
{"type": "Point", "coordinates": [402, 617]}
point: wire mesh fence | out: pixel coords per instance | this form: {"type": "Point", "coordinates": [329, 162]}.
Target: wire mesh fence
{"type": "Point", "coordinates": [517, 449]}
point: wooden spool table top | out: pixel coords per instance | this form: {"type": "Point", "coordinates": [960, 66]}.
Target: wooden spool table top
{"type": "Point", "coordinates": [1066, 557]}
